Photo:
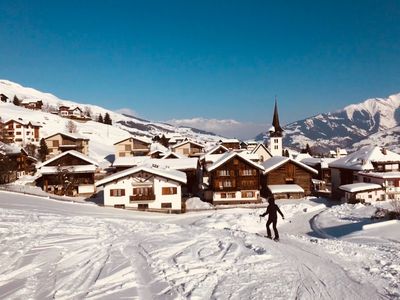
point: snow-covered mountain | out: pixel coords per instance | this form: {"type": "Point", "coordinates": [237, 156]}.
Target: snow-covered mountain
{"type": "Point", "coordinates": [373, 121]}
{"type": "Point", "coordinates": [102, 136]}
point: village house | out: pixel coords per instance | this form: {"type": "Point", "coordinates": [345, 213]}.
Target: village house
{"type": "Point", "coordinates": [21, 132]}
{"type": "Point", "coordinates": [230, 144]}
{"type": "Point", "coordinates": [284, 177]}
{"type": "Point", "coordinates": [61, 142]}
{"type": "Point", "coordinates": [188, 148]}
{"type": "Point", "coordinates": [262, 152]}
{"type": "Point", "coordinates": [32, 104]}
{"type": "Point", "coordinates": [72, 113]}
{"type": "Point", "coordinates": [132, 146]}
{"type": "Point", "coordinates": [190, 166]}
{"type": "Point", "coordinates": [232, 179]}
{"type": "Point", "coordinates": [363, 192]}
{"type": "Point", "coordinates": [69, 173]}
{"type": "Point", "coordinates": [338, 153]}
{"type": "Point", "coordinates": [323, 180]}
{"type": "Point", "coordinates": [144, 188]}
{"type": "Point", "coordinates": [345, 170]}
{"type": "Point", "coordinates": [20, 163]}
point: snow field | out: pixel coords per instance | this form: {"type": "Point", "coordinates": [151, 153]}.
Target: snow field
{"type": "Point", "coordinates": [58, 250]}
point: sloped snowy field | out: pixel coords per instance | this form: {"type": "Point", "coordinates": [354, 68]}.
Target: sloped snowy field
{"type": "Point", "coordinates": [52, 249]}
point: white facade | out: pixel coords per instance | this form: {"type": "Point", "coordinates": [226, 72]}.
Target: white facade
{"type": "Point", "coordinates": [366, 196]}
{"type": "Point", "coordinates": [113, 195]}
{"type": "Point", "coordinates": [239, 196]}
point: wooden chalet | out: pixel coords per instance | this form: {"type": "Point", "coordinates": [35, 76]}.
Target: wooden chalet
{"type": "Point", "coordinates": [69, 173]}
{"type": "Point", "coordinates": [32, 104]}
{"type": "Point", "coordinates": [132, 146]}
{"type": "Point", "coordinates": [188, 148]}
{"type": "Point", "coordinates": [284, 177]}
{"type": "Point", "coordinates": [61, 142]}
{"type": "Point", "coordinates": [18, 161]}
{"type": "Point", "coordinates": [232, 179]}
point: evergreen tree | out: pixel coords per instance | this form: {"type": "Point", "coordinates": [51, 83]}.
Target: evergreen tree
{"type": "Point", "coordinates": [308, 149]}
{"type": "Point", "coordinates": [100, 119]}
{"type": "Point", "coordinates": [286, 153]}
{"type": "Point", "coordinates": [107, 119]}
{"type": "Point", "coordinates": [156, 138]}
{"type": "Point", "coordinates": [16, 101]}
{"type": "Point", "coordinates": [164, 141]}
{"type": "Point", "coordinates": [43, 150]}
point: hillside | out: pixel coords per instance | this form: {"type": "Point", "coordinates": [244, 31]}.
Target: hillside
{"type": "Point", "coordinates": [102, 136]}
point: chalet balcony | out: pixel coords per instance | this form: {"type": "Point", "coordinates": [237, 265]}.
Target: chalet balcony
{"type": "Point", "coordinates": [150, 197]}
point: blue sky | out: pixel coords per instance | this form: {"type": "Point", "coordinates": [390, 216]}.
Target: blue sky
{"type": "Point", "coordinates": [218, 60]}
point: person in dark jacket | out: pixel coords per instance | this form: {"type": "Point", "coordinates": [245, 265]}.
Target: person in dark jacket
{"type": "Point", "coordinates": [272, 211]}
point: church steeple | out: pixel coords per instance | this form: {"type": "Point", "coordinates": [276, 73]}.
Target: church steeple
{"type": "Point", "coordinates": [275, 123]}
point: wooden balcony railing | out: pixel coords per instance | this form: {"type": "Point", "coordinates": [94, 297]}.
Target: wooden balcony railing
{"type": "Point", "coordinates": [149, 197]}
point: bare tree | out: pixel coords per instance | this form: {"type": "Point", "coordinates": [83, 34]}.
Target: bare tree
{"type": "Point", "coordinates": [396, 207]}
{"type": "Point", "coordinates": [87, 111]}
{"type": "Point", "coordinates": [71, 126]}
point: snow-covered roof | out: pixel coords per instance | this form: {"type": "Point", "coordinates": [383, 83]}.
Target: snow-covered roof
{"type": "Point", "coordinates": [157, 146]}
{"type": "Point", "coordinates": [162, 172]}
{"type": "Point", "coordinates": [285, 188]}
{"type": "Point", "coordinates": [74, 136]}
{"type": "Point", "coordinates": [70, 152]}
{"type": "Point", "coordinates": [301, 156]}
{"type": "Point", "coordinates": [383, 175]}
{"type": "Point", "coordinates": [229, 155]}
{"type": "Point", "coordinates": [363, 158]}
{"type": "Point", "coordinates": [215, 148]}
{"type": "Point", "coordinates": [172, 163]}
{"type": "Point", "coordinates": [314, 161]}
{"type": "Point", "coordinates": [277, 161]}
{"type": "Point", "coordinates": [229, 141]}
{"type": "Point", "coordinates": [72, 169]}
{"type": "Point", "coordinates": [174, 154]}
{"type": "Point", "coordinates": [27, 101]}
{"type": "Point", "coordinates": [8, 149]}
{"type": "Point", "coordinates": [360, 187]}
{"type": "Point", "coordinates": [186, 142]}
{"type": "Point", "coordinates": [139, 138]}
{"type": "Point", "coordinates": [23, 122]}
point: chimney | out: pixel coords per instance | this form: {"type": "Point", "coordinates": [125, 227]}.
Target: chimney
{"type": "Point", "coordinates": [384, 152]}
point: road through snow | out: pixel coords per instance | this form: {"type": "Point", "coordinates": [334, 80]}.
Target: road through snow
{"type": "Point", "coordinates": [57, 250]}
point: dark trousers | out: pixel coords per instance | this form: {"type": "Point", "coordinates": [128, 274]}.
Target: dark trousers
{"type": "Point", "coordinates": [273, 221]}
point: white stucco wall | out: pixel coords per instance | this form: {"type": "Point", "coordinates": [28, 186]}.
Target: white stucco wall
{"type": "Point", "coordinates": [128, 184]}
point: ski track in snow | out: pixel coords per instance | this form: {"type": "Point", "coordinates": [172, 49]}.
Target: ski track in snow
{"type": "Point", "coordinates": [57, 256]}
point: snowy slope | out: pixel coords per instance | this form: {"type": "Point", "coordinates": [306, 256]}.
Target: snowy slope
{"type": "Point", "coordinates": [353, 124]}
{"type": "Point", "coordinates": [101, 136]}
{"type": "Point", "coordinates": [58, 250]}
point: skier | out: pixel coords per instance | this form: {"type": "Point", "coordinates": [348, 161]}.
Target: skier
{"type": "Point", "coordinates": [271, 211]}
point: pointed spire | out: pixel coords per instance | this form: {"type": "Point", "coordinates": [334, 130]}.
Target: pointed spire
{"type": "Point", "coordinates": [275, 121]}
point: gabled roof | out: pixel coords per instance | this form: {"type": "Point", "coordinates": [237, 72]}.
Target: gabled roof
{"type": "Point", "coordinates": [22, 122]}
{"type": "Point", "coordinates": [262, 146]}
{"type": "Point", "coordinates": [73, 136]}
{"type": "Point", "coordinates": [70, 152]}
{"type": "Point", "coordinates": [285, 188]}
{"type": "Point", "coordinates": [166, 173]}
{"type": "Point", "coordinates": [9, 149]}
{"type": "Point", "coordinates": [363, 159]}
{"type": "Point", "coordinates": [174, 154]}
{"type": "Point", "coordinates": [185, 142]}
{"type": "Point", "coordinates": [229, 141]}
{"type": "Point", "coordinates": [138, 138]}
{"type": "Point", "coordinates": [215, 148]}
{"type": "Point", "coordinates": [230, 155]}
{"type": "Point", "coordinates": [315, 161]}
{"type": "Point", "coordinates": [277, 161]}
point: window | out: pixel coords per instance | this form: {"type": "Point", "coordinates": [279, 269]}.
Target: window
{"type": "Point", "coordinates": [143, 206]}
{"type": "Point", "coordinates": [127, 147]}
{"type": "Point", "coordinates": [223, 172]}
{"type": "Point", "coordinates": [117, 192]}
{"type": "Point", "coordinates": [247, 194]}
{"type": "Point", "coordinates": [235, 161]}
{"type": "Point", "coordinates": [248, 172]}
{"type": "Point", "coordinates": [227, 183]}
{"type": "Point", "coordinates": [276, 141]}
{"type": "Point", "coordinates": [276, 147]}
{"type": "Point", "coordinates": [230, 195]}
{"type": "Point", "coordinates": [122, 154]}
{"type": "Point", "coordinates": [56, 143]}
{"type": "Point", "coordinates": [18, 126]}
{"type": "Point", "coordinates": [248, 183]}
{"type": "Point", "coordinates": [166, 205]}
{"type": "Point", "coordinates": [143, 191]}
{"type": "Point", "coordinates": [223, 195]}
{"type": "Point", "coordinates": [18, 133]}
{"type": "Point", "coordinates": [169, 190]}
